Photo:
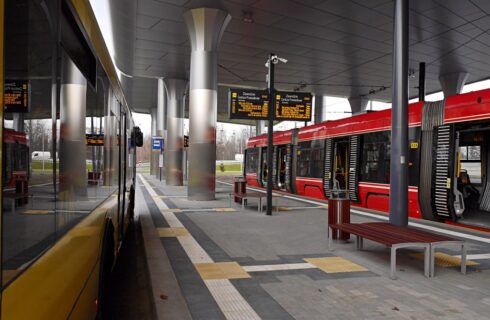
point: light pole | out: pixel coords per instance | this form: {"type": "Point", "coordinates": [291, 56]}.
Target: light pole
{"type": "Point", "coordinates": [271, 62]}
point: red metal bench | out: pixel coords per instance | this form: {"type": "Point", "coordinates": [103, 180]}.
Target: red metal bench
{"type": "Point", "coordinates": [397, 237]}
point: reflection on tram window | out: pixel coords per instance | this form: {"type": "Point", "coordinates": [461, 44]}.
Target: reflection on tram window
{"type": "Point", "coordinates": [58, 166]}
{"type": "Point", "coordinates": [28, 206]}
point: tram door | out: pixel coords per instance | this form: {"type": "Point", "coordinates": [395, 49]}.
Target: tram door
{"type": "Point", "coordinates": [281, 167]}
{"type": "Point", "coordinates": [341, 164]}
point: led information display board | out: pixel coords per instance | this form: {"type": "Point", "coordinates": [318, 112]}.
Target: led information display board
{"type": "Point", "coordinates": [16, 96]}
{"type": "Point", "coordinates": [295, 106]}
{"type": "Point", "coordinates": [253, 105]}
{"type": "Point", "coordinates": [94, 139]}
{"type": "Point", "coordinates": [248, 104]}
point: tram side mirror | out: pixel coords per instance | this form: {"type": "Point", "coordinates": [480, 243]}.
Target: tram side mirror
{"type": "Point", "coordinates": [138, 136]}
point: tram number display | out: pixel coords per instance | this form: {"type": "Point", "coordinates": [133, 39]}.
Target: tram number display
{"type": "Point", "coordinates": [16, 96]}
{"type": "Point", "coordinates": [94, 139]}
{"type": "Point", "coordinates": [294, 106]}
{"type": "Point", "coordinates": [248, 104]}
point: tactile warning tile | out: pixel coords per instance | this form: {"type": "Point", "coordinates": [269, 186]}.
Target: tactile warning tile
{"type": "Point", "coordinates": [36, 212]}
{"type": "Point", "coordinates": [224, 209]}
{"type": "Point", "coordinates": [335, 265]}
{"type": "Point", "coordinates": [172, 232]}
{"type": "Point", "coordinates": [221, 270]}
{"type": "Point", "coordinates": [324, 206]}
{"type": "Point", "coordinates": [171, 210]}
{"type": "Point", "coordinates": [445, 260]}
{"type": "Point", "coordinates": [160, 197]}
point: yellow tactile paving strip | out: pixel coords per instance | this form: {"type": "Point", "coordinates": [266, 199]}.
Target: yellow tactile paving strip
{"type": "Point", "coordinates": [445, 260]}
{"type": "Point", "coordinates": [335, 265]}
{"type": "Point", "coordinates": [221, 270]}
{"type": "Point", "coordinates": [36, 212]}
{"type": "Point", "coordinates": [171, 210]}
{"type": "Point", "coordinates": [224, 209]}
{"type": "Point", "coordinates": [172, 232]}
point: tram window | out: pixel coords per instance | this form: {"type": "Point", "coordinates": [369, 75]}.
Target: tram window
{"type": "Point", "coordinates": [376, 150]}
{"type": "Point", "coordinates": [28, 206]}
{"type": "Point", "coordinates": [251, 160]}
{"type": "Point", "coordinates": [310, 159]}
{"type": "Point", "coordinates": [471, 162]}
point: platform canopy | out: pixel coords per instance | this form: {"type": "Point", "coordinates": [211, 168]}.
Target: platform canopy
{"type": "Point", "coordinates": [333, 47]}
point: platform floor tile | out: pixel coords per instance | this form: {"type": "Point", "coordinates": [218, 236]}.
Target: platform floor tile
{"type": "Point", "coordinates": [221, 270]}
{"type": "Point", "coordinates": [335, 265]}
{"type": "Point", "coordinates": [172, 232]}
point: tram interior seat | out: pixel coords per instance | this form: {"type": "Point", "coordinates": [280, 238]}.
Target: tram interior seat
{"type": "Point", "coordinates": [471, 194]}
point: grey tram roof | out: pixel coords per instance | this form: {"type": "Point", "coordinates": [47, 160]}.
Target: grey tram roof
{"type": "Point", "coordinates": [334, 47]}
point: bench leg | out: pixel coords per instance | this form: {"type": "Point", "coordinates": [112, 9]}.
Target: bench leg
{"type": "Point", "coordinates": [12, 206]}
{"type": "Point", "coordinates": [358, 242]}
{"type": "Point", "coordinates": [463, 259]}
{"type": "Point", "coordinates": [393, 264]}
{"type": "Point", "coordinates": [330, 237]}
{"type": "Point", "coordinates": [260, 205]}
{"type": "Point", "coordinates": [243, 203]}
{"type": "Point", "coordinates": [427, 258]}
{"type": "Point", "coordinates": [432, 270]}
{"type": "Point", "coordinates": [361, 243]}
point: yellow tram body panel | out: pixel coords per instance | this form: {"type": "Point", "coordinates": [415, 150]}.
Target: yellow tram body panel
{"type": "Point", "coordinates": [63, 282]}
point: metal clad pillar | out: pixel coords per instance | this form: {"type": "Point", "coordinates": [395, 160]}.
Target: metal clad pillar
{"type": "Point", "coordinates": [358, 105]}
{"type": "Point", "coordinates": [161, 120]}
{"type": "Point", "coordinates": [259, 127]}
{"type": "Point", "coordinates": [205, 27]}
{"type": "Point", "coordinates": [154, 154]}
{"type": "Point", "coordinates": [320, 110]}
{"type": "Point", "coordinates": [453, 83]}
{"type": "Point", "coordinates": [73, 97]}
{"type": "Point", "coordinates": [174, 149]}
{"type": "Point", "coordinates": [399, 118]}
{"type": "Point", "coordinates": [422, 81]}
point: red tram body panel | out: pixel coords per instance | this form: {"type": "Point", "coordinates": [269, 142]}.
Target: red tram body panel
{"type": "Point", "coordinates": [460, 112]}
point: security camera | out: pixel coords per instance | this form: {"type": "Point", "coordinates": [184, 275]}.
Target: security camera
{"type": "Point", "coordinates": [276, 59]}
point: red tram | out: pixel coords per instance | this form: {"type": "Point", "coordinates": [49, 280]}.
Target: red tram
{"type": "Point", "coordinates": [15, 157]}
{"type": "Point", "coordinates": [449, 159]}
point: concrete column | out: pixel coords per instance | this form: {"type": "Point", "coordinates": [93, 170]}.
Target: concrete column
{"type": "Point", "coordinates": [259, 127]}
{"type": "Point", "coordinates": [174, 149]}
{"type": "Point", "coordinates": [358, 105]}
{"type": "Point", "coordinates": [399, 118]}
{"type": "Point", "coordinates": [72, 149]}
{"type": "Point", "coordinates": [453, 83]}
{"type": "Point", "coordinates": [161, 120]}
{"type": "Point", "coordinates": [320, 109]}
{"type": "Point", "coordinates": [205, 27]}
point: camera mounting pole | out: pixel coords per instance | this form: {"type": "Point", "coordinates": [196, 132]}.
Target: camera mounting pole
{"type": "Point", "coordinates": [270, 129]}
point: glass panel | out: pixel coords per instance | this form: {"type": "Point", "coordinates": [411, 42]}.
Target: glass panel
{"type": "Point", "coordinates": [474, 153]}
{"type": "Point", "coordinates": [28, 209]}
{"type": "Point", "coordinates": [375, 164]}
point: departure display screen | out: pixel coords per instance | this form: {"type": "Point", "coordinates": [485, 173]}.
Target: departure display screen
{"type": "Point", "coordinates": [248, 104]}
{"type": "Point", "coordinates": [16, 96]}
{"type": "Point", "coordinates": [294, 106]}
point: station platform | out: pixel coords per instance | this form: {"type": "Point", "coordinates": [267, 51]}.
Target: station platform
{"type": "Point", "coordinates": [210, 260]}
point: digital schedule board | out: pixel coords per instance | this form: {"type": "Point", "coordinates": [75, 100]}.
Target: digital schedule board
{"type": "Point", "coordinates": [16, 96]}
{"type": "Point", "coordinates": [253, 105]}
{"type": "Point", "coordinates": [294, 106]}
{"type": "Point", "coordinates": [248, 104]}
